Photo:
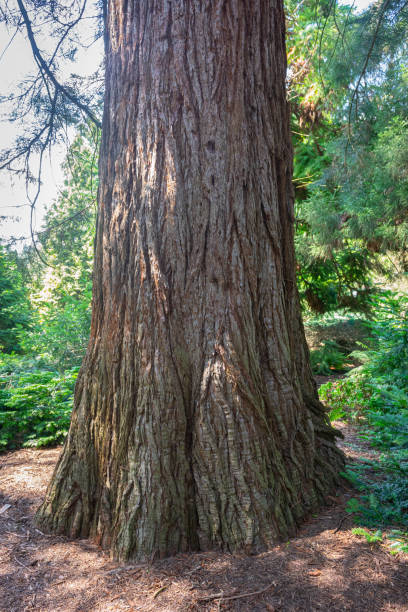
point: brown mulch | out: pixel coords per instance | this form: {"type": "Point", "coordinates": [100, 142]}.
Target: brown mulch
{"type": "Point", "coordinates": [325, 567]}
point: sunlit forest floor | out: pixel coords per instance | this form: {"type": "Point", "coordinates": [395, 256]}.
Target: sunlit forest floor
{"type": "Point", "coordinates": [326, 567]}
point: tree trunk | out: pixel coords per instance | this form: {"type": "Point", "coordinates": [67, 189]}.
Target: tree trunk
{"type": "Point", "coordinates": [196, 421]}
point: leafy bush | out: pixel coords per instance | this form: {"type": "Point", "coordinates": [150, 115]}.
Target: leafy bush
{"type": "Point", "coordinates": [398, 540]}
{"type": "Point", "coordinates": [327, 358]}
{"type": "Point", "coordinates": [332, 339]}
{"type": "Point", "coordinates": [347, 398]}
{"type": "Point", "coordinates": [14, 305]}
{"type": "Point", "coordinates": [60, 294]}
{"type": "Point", "coordinates": [376, 394]}
{"type": "Point", "coordinates": [45, 310]}
{"type": "Point", "coordinates": [35, 406]}
{"type": "Point", "coordinates": [370, 537]}
{"type": "Point", "coordinates": [61, 333]}
{"type": "Point", "coordinates": [378, 390]}
{"type": "Point", "coordinates": [384, 501]}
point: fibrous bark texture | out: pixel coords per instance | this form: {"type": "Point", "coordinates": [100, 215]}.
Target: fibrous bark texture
{"type": "Point", "coordinates": [196, 419]}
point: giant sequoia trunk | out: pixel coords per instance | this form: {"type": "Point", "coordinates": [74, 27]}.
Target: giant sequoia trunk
{"type": "Point", "coordinates": [196, 420]}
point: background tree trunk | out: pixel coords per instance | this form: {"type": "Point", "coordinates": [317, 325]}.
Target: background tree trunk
{"type": "Point", "coordinates": [196, 419]}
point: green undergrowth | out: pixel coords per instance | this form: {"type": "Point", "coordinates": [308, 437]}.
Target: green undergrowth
{"type": "Point", "coordinates": [35, 403]}
{"type": "Point", "coordinates": [333, 339]}
{"type": "Point", "coordinates": [395, 539]}
{"type": "Point", "coordinates": [328, 358]}
{"type": "Point", "coordinates": [381, 508]}
{"type": "Point", "coordinates": [374, 397]}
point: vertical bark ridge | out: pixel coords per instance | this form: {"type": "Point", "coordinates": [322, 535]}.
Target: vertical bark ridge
{"type": "Point", "coordinates": [196, 419]}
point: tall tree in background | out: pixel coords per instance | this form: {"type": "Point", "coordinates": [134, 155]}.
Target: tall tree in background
{"type": "Point", "coordinates": [348, 86]}
{"type": "Point", "coordinates": [61, 282]}
{"type": "Point", "coordinates": [196, 419]}
{"type": "Point", "coordinates": [14, 305]}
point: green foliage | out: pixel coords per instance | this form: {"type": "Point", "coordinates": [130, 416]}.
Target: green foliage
{"type": "Point", "coordinates": [61, 333]}
{"type": "Point", "coordinates": [377, 390]}
{"type": "Point", "coordinates": [329, 278]}
{"type": "Point", "coordinates": [371, 538]}
{"type": "Point", "coordinates": [397, 540]}
{"type": "Point", "coordinates": [375, 395]}
{"type": "Point", "coordinates": [67, 238]}
{"type": "Point", "coordinates": [333, 338]}
{"type": "Point", "coordinates": [35, 405]}
{"type": "Point", "coordinates": [36, 388]}
{"type": "Point", "coordinates": [347, 398]}
{"type": "Point", "coordinates": [328, 358]}
{"type": "Point", "coordinates": [61, 292]}
{"type": "Point", "coordinates": [14, 305]}
{"type": "Point", "coordinates": [383, 501]}
{"type": "Point", "coordinates": [351, 146]}
{"type": "Point", "coordinates": [367, 186]}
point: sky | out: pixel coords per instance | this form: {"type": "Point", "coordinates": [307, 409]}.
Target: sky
{"type": "Point", "coordinates": [15, 63]}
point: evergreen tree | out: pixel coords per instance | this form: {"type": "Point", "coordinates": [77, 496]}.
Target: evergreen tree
{"type": "Point", "coordinates": [61, 283]}
{"type": "Point", "coordinates": [14, 305]}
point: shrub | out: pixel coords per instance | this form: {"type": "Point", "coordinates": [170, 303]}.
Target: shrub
{"type": "Point", "coordinates": [376, 394]}
{"type": "Point", "coordinates": [35, 407]}
{"type": "Point", "coordinates": [378, 389]}
{"type": "Point", "coordinates": [327, 358]}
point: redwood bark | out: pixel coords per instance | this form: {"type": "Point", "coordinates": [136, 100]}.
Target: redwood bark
{"type": "Point", "coordinates": [196, 421]}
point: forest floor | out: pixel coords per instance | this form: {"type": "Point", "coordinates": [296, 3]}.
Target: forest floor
{"type": "Point", "coordinates": [325, 567]}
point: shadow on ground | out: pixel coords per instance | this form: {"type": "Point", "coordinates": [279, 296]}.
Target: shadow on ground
{"type": "Point", "coordinates": [324, 568]}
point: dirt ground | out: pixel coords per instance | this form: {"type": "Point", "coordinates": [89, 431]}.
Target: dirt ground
{"type": "Point", "coordinates": [325, 567]}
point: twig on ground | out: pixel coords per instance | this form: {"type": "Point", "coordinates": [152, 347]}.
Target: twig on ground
{"type": "Point", "coordinates": [195, 569]}
{"type": "Point", "coordinates": [18, 535]}
{"type": "Point", "coordinates": [39, 531]}
{"type": "Point", "coordinates": [22, 564]}
{"type": "Point", "coordinates": [125, 568]}
{"type": "Point", "coordinates": [340, 524]}
{"type": "Point", "coordinates": [222, 597]}
{"type": "Point", "coordinates": [156, 593]}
